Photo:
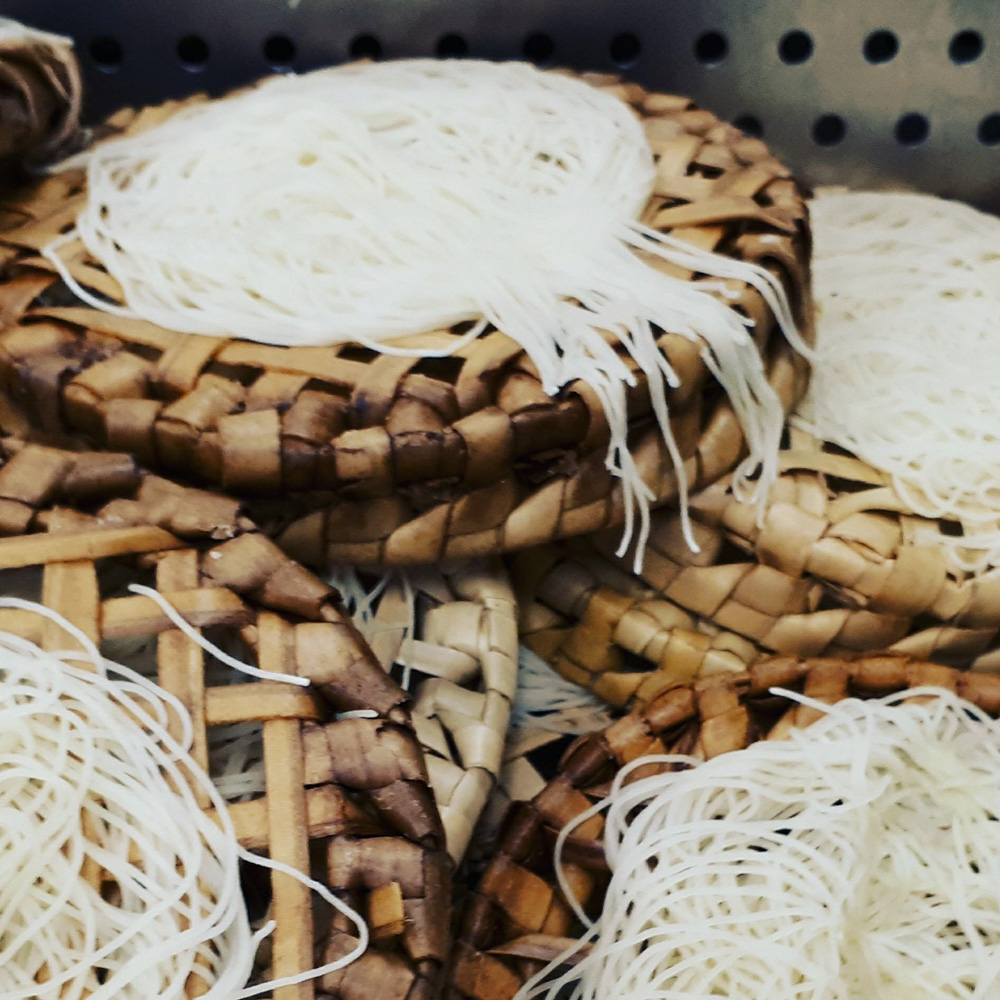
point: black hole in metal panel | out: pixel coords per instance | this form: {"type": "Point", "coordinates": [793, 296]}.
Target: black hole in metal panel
{"type": "Point", "coordinates": [988, 132]}
{"type": "Point", "coordinates": [828, 130]}
{"type": "Point", "coordinates": [365, 47]}
{"type": "Point", "coordinates": [452, 47]}
{"type": "Point", "coordinates": [881, 46]}
{"type": "Point", "coordinates": [750, 124]}
{"type": "Point", "coordinates": [539, 48]}
{"type": "Point", "coordinates": [795, 47]}
{"type": "Point", "coordinates": [107, 53]}
{"type": "Point", "coordinates": [192, 51]}
{"type": "Point", "coordinates": [625, 49]}
{"type": "Point", "coordinates": [711, 47]}
{"type": "Point", "coordinates": [912, 129]}
{"type": "Point", "coordinates": [966, 47]}
{"type": "Point", "coordinates": [279, 51]}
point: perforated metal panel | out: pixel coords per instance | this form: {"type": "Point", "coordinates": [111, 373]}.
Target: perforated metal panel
{"type": "Point", "coordinates": [848, 91]}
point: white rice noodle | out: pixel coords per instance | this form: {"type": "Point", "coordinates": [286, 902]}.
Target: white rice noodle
{"type": "Point", "coordinates": [113, 882]}
{"type": "Point", "coordinates": [908, 356]}
{"type": "Point", "coordinates": [859, 858]}
{"type": "Point", "coordinates": [371, 202]}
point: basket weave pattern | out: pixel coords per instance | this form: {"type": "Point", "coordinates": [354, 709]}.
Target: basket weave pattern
{"type": "Point", "coordinates": [518, 918]}
{"type": "Point", "coordinates": [462, 648]}
{"type": "Point", "coordinates": [40, 95]}
{"type": "Point", "coordinates": [837, 567]}
{"type": "Point", "coordinates": [357, 786]}
{"type": "Point", "coordinates": [400, 460]}
{"type": "Point", "coordinates": [836, 521]}
{"type": "Point", "coordinates": [607, 630]}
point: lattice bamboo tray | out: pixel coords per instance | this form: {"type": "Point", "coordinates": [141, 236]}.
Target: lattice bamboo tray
{"type": "Point", "coordinates": [398, 460]}
{"type": "Point", "coordinates": [518, 919]}
{"type": "Point", "coordinates": [355, 788]}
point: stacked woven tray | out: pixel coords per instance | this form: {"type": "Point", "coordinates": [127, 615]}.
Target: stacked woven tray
{"type": "Point", "coordinates": [375, 778]}
{"type": "Point", "coordinates": [384, 460]}
{"type": "Point", "coordinates": [218, 469]}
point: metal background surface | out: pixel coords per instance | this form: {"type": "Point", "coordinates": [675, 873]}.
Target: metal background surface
{"type": "Point", "coordinates": [740, 71]}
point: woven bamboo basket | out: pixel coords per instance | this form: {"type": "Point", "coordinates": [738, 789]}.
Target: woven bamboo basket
{"type": "Point", "coordinates": [518, 919]}
{"type": "Point", "coordinates": [838, 566]}
{"type": "Point", "coordinates": [387, 460]}
{"type": "Point", "coordinates": [353, 792]}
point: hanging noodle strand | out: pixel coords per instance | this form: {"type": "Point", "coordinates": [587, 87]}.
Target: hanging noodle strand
{"type": "Point", "coordinates": [860, 858]}
{"type": "Point", "coordinates": [371, 202]}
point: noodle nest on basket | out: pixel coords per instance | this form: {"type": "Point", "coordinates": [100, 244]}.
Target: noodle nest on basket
{"type": "Point", "coordinates": [464, 439]}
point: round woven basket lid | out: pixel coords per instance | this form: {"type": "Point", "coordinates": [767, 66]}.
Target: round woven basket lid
{"type": "Point", "coordinates": [518, 919]}
{"type": "Point", "coordinates": [837, 566]}
{"type": "Point", "coordinates": [387, 460]}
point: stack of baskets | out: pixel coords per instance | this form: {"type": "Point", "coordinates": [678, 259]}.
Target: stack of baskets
{"type": "Point", "coordinates": [340, 457]}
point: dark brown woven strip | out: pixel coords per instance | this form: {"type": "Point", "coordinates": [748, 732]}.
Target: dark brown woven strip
{"type": "Point", "coordinates": [404, 460]}
{"type": "Point", "coordinates": [40, 94]}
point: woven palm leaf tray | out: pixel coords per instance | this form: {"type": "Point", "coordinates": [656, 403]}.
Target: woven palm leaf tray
{"type": "Point", "coordinates": [838, 565]}
{"type": "Point", "coordinates": [386, 460]}
{"type": "Point", "coordinates": [352, 792]}
{"type": "Point", "coordinates": [517, 919]}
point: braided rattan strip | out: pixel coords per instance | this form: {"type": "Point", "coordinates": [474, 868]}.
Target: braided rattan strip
{"type": "Point", "coordinates": [607, 630]}
{"type": "Point", "coordinates": [836, 520]}
{"type": "Point", "coordinates": [356, 786]}
{"type": "Point", "coordinates": [404, 460]}
{"type": "Point", "coordinates": [518, 919]}
{"type": "Point", "coordinates": [459, 654]}
{"type": "Point", "coordinates": [837, 566]}
{"type": "Point", "coordinates": [40, 94]}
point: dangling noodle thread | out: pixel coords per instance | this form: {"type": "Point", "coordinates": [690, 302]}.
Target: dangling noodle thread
{"type": "Point", "coordinates": [859, 858]}
{"type": "Point", "coordinates": [371, 202]}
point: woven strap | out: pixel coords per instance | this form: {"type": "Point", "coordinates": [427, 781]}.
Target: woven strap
{"type": "Point", "coordinates": [835, 519]}
{"type": "Point", "coordinates": [405, 460]}
{"type": "Point", "coordinates": [357, 786]}
{"type": "Point", "coordinates": [606, 630]}
{"type": "Point", "coordinates": [518, 918]}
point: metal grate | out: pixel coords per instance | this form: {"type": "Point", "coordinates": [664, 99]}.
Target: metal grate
{"type": "Point", "coordinates": [859, 91]}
